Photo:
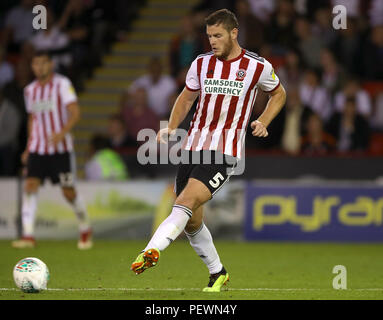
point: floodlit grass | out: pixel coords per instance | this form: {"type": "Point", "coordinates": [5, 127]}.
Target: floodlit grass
{"type": "Point", "coordinates": [257, 271]}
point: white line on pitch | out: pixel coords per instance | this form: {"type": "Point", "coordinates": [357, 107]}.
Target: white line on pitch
{"type": "Point", "coordinates": [193, 289]}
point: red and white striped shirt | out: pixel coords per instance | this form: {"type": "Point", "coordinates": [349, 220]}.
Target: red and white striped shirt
{"type": "Point", "coordinates": [228, 89]}
{"type": "Point", "coordinates": [48, 106]}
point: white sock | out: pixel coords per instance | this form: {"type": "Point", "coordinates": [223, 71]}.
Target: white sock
{"type": "Point", "coordinates": [28, 213]}
{"type": "Point", "coordinates": [202, 242]}
{"type": "Point", "coordinates": [170, 228]}
{"type": "Point", "coordinates": [79, 209]}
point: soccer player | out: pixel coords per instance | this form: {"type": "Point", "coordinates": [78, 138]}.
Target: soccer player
{"type": "Point", "coordinates": [52, 107]}
{"type": "Point", "coordinates": [226, 81]}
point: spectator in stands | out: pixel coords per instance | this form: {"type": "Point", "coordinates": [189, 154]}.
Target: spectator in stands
{"type": "Point", "coordinates": [352, 88]}
{"type": "Point", "coordinates": [280, 31]}
{"type": "Point", "coordinates": [262, 9]}
{"type": "Point", "coordinates": [18, 26]}
{"type": "Point", "coordinates": [373, 55]}
{"type": "Point", "coordinates": [9, 130]}
{"type": "Point", "coordinates": [309, 44]}
{"type": "Point", "coordinates": [375, 13]}
{"type": "Point", "coordinates": [14, 92]}
{"type": "Point", "coordinates": [6, 70]}
{"type": "Point", "coordinates": [138, 115]}
{"type": "Point", "coordinates": [117, 134]}
{"type": "Point", "coordinates": [322, 27]}
{"type": "Point", "coordinates": [185, 46]}
{"type": "Point", "coordinates": [180, 82]}
{"type": "Point", "coordinates": [377, 116]}
{"type": "Point", "coordinates": [309, 8]}
{"type": "Point", "coordinates": [314, 95]}
{"type": "Point", "coordinates": [159, 87]}
{"type": "Point", "coordinates": [317, 142]}
{"type": "Point", "coordinates": [104, 164]}
{"type": "Point", "coordinates": [273, 56]}
{"type": "Point", "coordinates": [352, 6]}
{"type": "Point", "coordinates": [347, 47]}
{"type": "Point", "coordinates": [247, 38]}
{"type": "Point", "coordinates": [349, 128]}
{"type": "Point", "coordinates": [76, 22]}
{"type": "Point", "coordinates": [199, 16]}
{"type": "Point", "coordinates": [27, 53]}
{"type": "Point", "coordinates": [55, 41]}
{"type": "Point", "coordinates": [290, 73]}
{"type": "Point", "coordinates": [333, 76]}
{"type": "Point", "coordinates": [295, 116]}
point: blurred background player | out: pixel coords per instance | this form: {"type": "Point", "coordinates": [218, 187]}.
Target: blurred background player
{"type": "Point", "coordinates": [51, 103]}
{"type": "Point", "coordinates": [218, 127]}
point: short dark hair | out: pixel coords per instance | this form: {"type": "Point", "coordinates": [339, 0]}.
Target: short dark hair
{"type": "Point", "coordinates": [42, 53]}
{"type": "Point", "coordinates": [224, 17]}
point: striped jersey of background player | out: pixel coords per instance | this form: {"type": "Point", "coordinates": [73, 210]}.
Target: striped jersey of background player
{"type": "Point", "coordinates": [226, 81]}
{"type": "Point", "coordinates": [52, 107]}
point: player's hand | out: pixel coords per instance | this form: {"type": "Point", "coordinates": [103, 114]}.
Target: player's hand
{"type": "Point", "coordinates": [24, 157]}
{"type": "Point", "coordinates": [163, 135]}
{"type": "Point", "coordinates": [259, 129]}
{"type": "Point", "coordinates": [56, 138]}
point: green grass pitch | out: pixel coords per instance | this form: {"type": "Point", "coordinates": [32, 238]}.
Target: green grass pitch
{"type": "Point", "coordinates": [257, 271]}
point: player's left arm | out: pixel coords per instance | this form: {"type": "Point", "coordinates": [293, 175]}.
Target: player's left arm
{"type": "Point", "coordinates": [277, 99]}
{"type": "Point", "coordinates": [73, 118]}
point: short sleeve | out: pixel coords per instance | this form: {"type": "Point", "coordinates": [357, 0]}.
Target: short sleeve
{"type": "Point", "coordinates": [68, 93]}
{"type": "Point", "coordinates": [192, 78]}
{"type": "Point", "coordinates": [268, 81]}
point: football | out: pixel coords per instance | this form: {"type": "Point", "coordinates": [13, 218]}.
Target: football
{"type": "Point", "coordinates": [31, 275]}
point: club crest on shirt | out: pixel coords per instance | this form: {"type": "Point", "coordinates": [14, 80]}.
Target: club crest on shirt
{"type": "Point", "coordinates": [241, 74]}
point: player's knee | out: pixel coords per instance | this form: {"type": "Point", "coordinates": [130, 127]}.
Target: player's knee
{"type": "Point", "coordinates": [189, 201]}
{"type": "Point", "coordinates": [31, 186]}
{"type": "Point", "coordinates": [192, 200]}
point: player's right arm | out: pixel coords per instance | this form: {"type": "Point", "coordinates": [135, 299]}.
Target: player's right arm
{"type": "Point", "coordinates": [269, 83]}
{"type": "Point", "coordinates": [179, 112]}
{"type": "Point", "coordinates": [183, 103]}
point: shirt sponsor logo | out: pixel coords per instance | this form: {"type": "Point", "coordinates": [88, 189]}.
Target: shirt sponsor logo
{"type": "Point", "coordinates": [222, 86]}
{"type": "Point", "coordinates": [42, 106]}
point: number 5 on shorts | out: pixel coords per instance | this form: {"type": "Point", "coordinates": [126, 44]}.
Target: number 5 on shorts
{"type": "Point", "coordinates": [215, 182]}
